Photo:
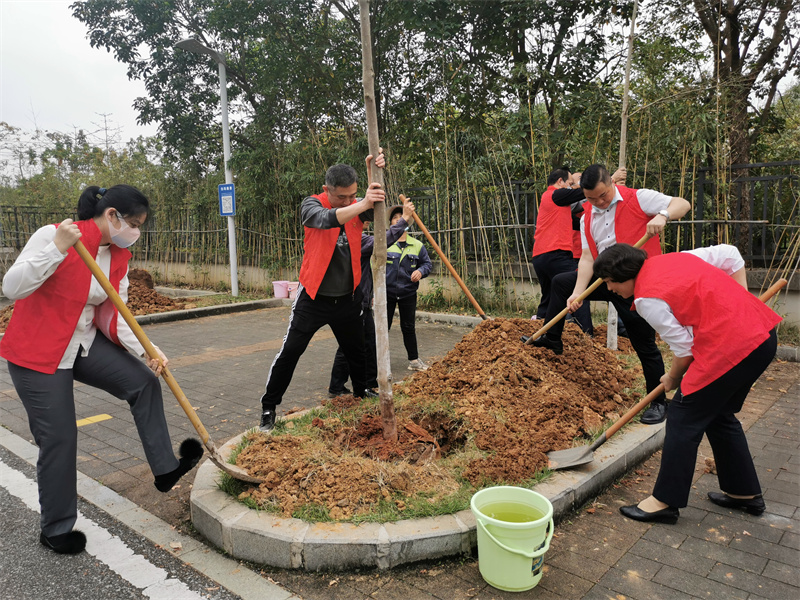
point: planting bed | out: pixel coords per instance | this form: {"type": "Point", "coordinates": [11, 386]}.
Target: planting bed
{"type": "Point", "coordinates": [488, 412]}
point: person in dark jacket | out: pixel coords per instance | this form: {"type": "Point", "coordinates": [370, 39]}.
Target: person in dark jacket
{"type": "Point", "coordinates": [407, 262]}
{"type": "Point", "coordinates": [340, 372]}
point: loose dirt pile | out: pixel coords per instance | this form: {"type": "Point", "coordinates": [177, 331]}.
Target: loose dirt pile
{"type": "Point", "coordinates": [486, 413]}
{"type": "Point", "coordinates": [142, 298]}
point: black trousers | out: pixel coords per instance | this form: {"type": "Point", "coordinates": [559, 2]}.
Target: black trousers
{"type": "Point", "coordinates": [547, 266]}
{"type": "Point", "coordinates": [340, 372]}
{"type": "Point", "coordinates": [50, 404]}
{"type": "Point", "coordinates": [640, 334]}
{"type": "Point", "coordinates": [408, 314]}
{"type": "Point", "coordinates": [711, 410]}
{"type": "Point", "coordinates": [343, 315]}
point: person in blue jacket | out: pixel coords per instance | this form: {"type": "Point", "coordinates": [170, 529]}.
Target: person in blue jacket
{"type": "Point", "coordinates": [340, 372]}
{"type": "Point", "coordinates": [407, 262]}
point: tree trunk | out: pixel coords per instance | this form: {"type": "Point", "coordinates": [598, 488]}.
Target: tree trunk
{"type": "Point", "coordinates": [388, 419]}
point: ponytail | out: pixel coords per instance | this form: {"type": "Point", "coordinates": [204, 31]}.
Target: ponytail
{"type": "Point", "coordinates": [126, 199]}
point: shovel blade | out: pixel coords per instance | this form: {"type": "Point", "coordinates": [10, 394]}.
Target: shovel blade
{"type": "Point", "coordinates": [234, 471]}
{"type": "Point", "coordinates": [571, 457]}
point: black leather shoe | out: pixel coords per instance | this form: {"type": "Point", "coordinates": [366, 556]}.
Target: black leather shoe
{"type": "Point", "coordinates": [655, 413]}
{"type": "Point", "coordinates": [335, 393]}
{"type": "Point", "coordinates": [190, 452]}
{"type": "Point", "coordinates": [71, 542]}
{"type": "Point", "coordinates": [367, 393]}
{"type": "Point", "coordinates": [667, 515]}
{"type": "Point", "coordinates": [268, 420]}
{"type": "Point", "coordinates": [545, 342]}
{"type": "Point", "coordinates": [755, 506]}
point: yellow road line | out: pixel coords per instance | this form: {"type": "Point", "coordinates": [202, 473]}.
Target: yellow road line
{"type": "Point", "coordinates": [94, 419]}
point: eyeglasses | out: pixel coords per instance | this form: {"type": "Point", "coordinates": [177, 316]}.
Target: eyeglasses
{"type": "Point", "coordinates": [131, 225]}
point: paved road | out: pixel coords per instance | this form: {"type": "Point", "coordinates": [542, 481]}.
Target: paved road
{"type": "Point", "coordinates": [221, 362]}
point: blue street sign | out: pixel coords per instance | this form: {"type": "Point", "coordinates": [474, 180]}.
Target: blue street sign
{"type": "Point", "coordinates": [227, 200]}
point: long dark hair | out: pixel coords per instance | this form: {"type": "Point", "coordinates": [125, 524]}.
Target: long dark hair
{"type": "Point", "coordinates": [126, 199]}
{"type": "Point", "coordinates": [619, 263]}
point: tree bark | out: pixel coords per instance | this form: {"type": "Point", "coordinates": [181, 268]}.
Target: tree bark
{"type": "Point", "coordinates": [388, 418]}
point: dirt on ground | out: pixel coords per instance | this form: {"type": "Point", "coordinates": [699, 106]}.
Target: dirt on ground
{"type": "Point", "coordinates": [142, 298]}
{"type": "Point", "coordinates": [488, 412]}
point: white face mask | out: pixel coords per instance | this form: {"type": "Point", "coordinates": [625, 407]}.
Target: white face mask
{"type": "Point", "coordinates": [124, 235]}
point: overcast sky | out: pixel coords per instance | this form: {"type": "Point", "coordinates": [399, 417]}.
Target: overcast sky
{"type": "Point", "coordinates": [51, 78]}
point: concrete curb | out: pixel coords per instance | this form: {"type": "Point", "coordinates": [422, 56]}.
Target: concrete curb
{"type": "Point", "coordinates": [227, 572]}
{"type": "Point", "coordinates": [208, 311]}
{"type": "Point", "coordinates": [295, 544]}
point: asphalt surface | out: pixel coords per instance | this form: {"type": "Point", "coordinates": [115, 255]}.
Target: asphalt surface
{"type": "Point", "coordinates": [221, 364]}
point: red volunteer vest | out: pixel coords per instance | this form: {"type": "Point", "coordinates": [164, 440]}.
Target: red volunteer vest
{"type": "Point", "coordinates": [553, 226]}
{"type": "Point", "coordinates": [727, 321]}
{"type": "Point", "coordinates": [318, 247]}
{"type": "Point", "coordinates": [577, 248]}
{"type": "Point", "coordinates": [42, 324]}
{"type": "Point", "coordinates": [630, 224]}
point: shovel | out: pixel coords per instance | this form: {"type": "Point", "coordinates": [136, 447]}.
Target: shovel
{"type": "Point", "coordinates": [446, 262]}
{"type": "Point", "coordinates": [234, 471]}
{"type": "Point", "coordinates": [546, 327]}
{"type": "Point", "coordinates": [574, 457]}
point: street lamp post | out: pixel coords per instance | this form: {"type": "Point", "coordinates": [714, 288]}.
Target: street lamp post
{"type": "Point", "coordinates": [192, 45]}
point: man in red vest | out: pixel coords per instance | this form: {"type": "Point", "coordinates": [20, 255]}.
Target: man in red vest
{"type": "Point", "coordinates": [552, 245]}
{"type": "Point", "coordinates": [624, 215]}
{"type": "Point", "coordinates": [329, 278]}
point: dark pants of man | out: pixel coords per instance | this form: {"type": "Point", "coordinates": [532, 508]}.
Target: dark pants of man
{"type": "Point", "coordinates": [407, 307]}
{"type": "Point", "coordinates": [50, 404]}
{"type": "Point", "coordinates": [547, 266]}
{"type": "Point", "coordinates": [340, 372]}
{"type": "Point", "coordinates": [640, 334]}
{"type": "Point", "coordinates": [343, 315]}
{"type": "Point", "coordinates": [711, 410]}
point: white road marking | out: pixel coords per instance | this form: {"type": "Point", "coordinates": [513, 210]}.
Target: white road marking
{"type": "Point", "coordinates": [154, 581]}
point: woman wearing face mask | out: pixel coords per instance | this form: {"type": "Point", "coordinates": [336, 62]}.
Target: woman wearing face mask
{"type": "Point", "coordinates": [64, 328]}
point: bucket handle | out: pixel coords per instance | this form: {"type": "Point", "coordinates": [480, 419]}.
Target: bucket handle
{"type": "Point", "coordinates": [534, 553]}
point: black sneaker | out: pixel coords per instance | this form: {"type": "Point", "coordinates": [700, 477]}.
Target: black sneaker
{"type": "Point", "coordinates": [545, 342]}
{"type": "Point", "coordinates": [267, 420]}
{"type": "Point", "coordinates": [342, 392]}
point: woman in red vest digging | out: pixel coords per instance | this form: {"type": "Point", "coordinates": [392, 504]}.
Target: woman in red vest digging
{"type": "Point", "coordinates": [722, 338]}
{"type": "Point", "coordinates": [64, 329]}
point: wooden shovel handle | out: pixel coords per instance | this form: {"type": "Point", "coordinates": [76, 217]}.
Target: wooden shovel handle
{"type": "Point", "coordinates": [539, 333]}
{"type": "Point", "coordinates": [142, 337]}
{"type": "Point", "coordinates": [446, 262]}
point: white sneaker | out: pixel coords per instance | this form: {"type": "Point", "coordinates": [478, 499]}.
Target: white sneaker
{"type": "Point", "coordinates": [417, 365]}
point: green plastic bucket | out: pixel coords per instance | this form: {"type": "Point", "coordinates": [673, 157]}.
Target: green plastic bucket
{"type": "Point", "coordinates": [515, 526]}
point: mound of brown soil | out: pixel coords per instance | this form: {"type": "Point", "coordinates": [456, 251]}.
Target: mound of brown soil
{"type": "Point", "coordinates": [516, 402]}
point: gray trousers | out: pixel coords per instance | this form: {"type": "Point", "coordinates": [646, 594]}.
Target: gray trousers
{"type": "Point", "coordinates": [50, 404]}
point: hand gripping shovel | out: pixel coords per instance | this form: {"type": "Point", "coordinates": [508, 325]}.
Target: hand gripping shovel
{"type": "Point", "coordinates": [233, 470]}
{"type": "Point", "coordinates": [573, 457]}
{"type": "Point", "coordinates": [546, 327]}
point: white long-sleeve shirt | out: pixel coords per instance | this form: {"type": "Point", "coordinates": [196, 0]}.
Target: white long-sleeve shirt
{"type": "Point", "coordinates": [603, 232]}
{"type": "Point", "coordinates": [38, 260]}
{"type": "Point", "coordinates": [658, 313]}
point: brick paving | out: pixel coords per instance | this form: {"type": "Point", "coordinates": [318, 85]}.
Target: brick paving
{"type": "Point", "coordinates": [221, 363]}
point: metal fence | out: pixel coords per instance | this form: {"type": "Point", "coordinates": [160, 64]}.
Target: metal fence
{"type": "Point", "coordinates": [493, 224]}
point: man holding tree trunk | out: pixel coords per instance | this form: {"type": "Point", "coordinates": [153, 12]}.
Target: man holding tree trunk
{"type": "Point", "coordinates": [329, 278]}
